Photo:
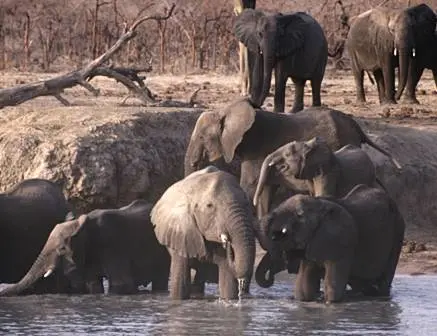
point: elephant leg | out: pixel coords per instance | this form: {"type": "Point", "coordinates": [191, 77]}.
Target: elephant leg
{"type": "Point", "coordinates": [359, 82]}
{"type": "Point", "coordinates": [307, 286]}
{"type": "Point", "coordinates": [316, 86]}
{"type": "Point", "coordinates": [413, 79]}
{"type": "Point", "coordinates": [180, 277]}
{"type": "Point", "coordinates": [198, 285]}
{"type": "Point", "coordinates": [379, 79]}
{"type": "Point", "coordinates": [228, 285]}
{"type": "Point", "coordinates": [95, 286]}
{"type": "Point", "coordinates": [118, 271]}
{"type": "Point", "coordinates": [336, 278]}
{"type": "Point", "coordinates": [299, 85]}
{"type": "Point", "coordinates": [160, 280]}
{"type": "Point", "coordinates": [388, 72]}
{"type": "Point", "coordinates": [280, 84]}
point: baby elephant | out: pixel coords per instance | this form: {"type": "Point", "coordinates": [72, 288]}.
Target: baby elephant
{"type": "Point", "coordinates": [355, 240]}
{"type": "Point", "coordinates": [119, 244]}
{"type": "Point", "coordinates": [326, 173]}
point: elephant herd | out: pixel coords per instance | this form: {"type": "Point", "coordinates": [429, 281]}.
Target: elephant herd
{"type": "Point", "coordinates": [379, 41]}
{"type": "Point", "coordinates": [335, 221]}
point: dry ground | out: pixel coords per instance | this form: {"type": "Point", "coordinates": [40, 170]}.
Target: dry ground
{"type": "Point", "coordinates": [338, 91]}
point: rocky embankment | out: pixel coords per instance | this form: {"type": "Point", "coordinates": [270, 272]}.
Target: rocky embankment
{"type": "Point", "coordinates": [108, 157]}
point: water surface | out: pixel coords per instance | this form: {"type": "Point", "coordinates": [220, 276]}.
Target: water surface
{"type": "Point", "coordinates": [411, 311]}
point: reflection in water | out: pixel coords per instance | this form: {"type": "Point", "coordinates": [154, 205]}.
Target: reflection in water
{"type": "Point", "coordinates": [411, 311]}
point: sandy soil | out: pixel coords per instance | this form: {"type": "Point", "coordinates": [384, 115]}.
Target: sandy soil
{"type": "Point", "coordinates": [338, 91]}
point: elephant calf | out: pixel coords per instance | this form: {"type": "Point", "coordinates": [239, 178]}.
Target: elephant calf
{"type": "Point", "coordinates": [325, 172]}
{"type": "Point", "coordinates": [354, 240]}
{"type": "Point", "coordinates": [207, 217]}
{"type": "Point", "coordinates": [118, 244]}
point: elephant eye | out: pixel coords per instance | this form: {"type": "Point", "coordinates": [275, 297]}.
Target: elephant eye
{"type": "Point", "coordinates": [209, 205]}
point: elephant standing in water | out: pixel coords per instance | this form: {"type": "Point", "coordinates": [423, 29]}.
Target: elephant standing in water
{"type": "Point", "coordinates": [354, 240]}
{"type": "Point", "coordinates": [208, 217]}
{"type": "Point", "coordinates": [381, 39]}
{"type": "Point", "coordinates": [294, 45]}
{"type": "Point", "coordinates": [240, 130]}
{"type": "Point", "coordinates": [28, 212]}
{"type": "Point", "coordinates": [119, 244]}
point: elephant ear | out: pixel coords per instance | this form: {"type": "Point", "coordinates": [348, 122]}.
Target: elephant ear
{"type": "Point", "coordinates": [175, 226]}
{"type": "Point", "coordinates": [336, 235]}
{"type": "Point", "coordinates": [236, 120]}
{"type": "Point", "coordinates": [291, 32]}
{"type": "Point", "coordinates": [246, 28]}
{"type": "Point", "coordinates": [424, 22]}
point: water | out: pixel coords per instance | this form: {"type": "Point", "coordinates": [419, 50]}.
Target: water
{"type": "Point", "coordinates": [412, 310]}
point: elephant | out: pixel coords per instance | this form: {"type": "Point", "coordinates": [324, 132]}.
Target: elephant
{"type": "Point", "coordinates": [426, 49]}
{"type": "Point", "coordinates": [381, 39]}
{"type": "Point", "coordinates": [294, 45]}
{"type": "Point", "coordinates": [29, 211]}
{"type": "Point", "coordinates": [207, 217]}
{"type": "Point", "coordinates": [119, 244]}
{"type": "Point", "coordinates": [326, 173]}
{"type": "Point", "coordinates": [246, 58]}
{"type": "Point", "coordinates": [354, 240]}
{"type": "Point", "coordinates": [252, 134]}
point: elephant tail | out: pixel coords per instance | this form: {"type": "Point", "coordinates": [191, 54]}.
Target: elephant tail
{"type": "Point", "coordinates": [371, 143]}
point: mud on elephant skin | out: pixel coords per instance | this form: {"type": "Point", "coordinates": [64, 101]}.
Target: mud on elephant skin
{"type": "Point", "coordinates": [208, 217]}
{"type": "Point", "coordinates": [28, 212]}
{"type": "Point", "coordinates": [251, 134]}
{"type": "Point", "coordinates": [326, 173]}
{"type": "Point", "coordinates": [381, 39]}
{"type": "Point", "coordinates": [294, 45]}
{"type": "Point", "coordinates": [354, 240]}
{"type": "Point", "coordinates": [119, 244]}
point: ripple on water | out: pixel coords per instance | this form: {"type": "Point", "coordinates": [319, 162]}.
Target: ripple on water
{"type": "Point", "coordinates": [410, 311]}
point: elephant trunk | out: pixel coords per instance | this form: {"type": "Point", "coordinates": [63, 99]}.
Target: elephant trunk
{"type": "Point", "coordinates": [263, 274]}
{"type": "Point", "coordinates": [242, 256]}
{"type": "Point", "coordinates": [39, 269]}
{"type": "Point", "coordinates": [404, 43]}
{"type": "Point", "coordinates": [268, 63]}
{"type": "Point", "coordinates": [193, 158]}
{"type": "Point", "coordinates": [269, 161]}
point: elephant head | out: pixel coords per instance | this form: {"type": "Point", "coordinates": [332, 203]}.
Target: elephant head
{"type": "Point", "coordinates": [217, 135]}
{"type": "Point", "coordinates": [320, 228]}
{"type": "Point", "coordinates": [208, 206]}
{"type": "Point", "coordinates": [273, 36]}
{"type": "Point", "coordinates": [296, 159]}
{"type": "Point", "coordinates": [63, 251]}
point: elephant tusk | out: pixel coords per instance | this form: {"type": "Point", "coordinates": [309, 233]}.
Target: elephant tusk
{"type": "Point", "coordinates": [284, 230]}
{"type": "Point", "coordinates": [225, 239]}
{"type": "Point", "coordinates": [395, 52]}
{"type": "Point", "coordinates": [50, 271]}
{"type": "Point", "coordinates": [414, 52]}
{"type": "Point", "coordinates": [271, 163]}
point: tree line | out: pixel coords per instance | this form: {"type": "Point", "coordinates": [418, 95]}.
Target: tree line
{"type": "Point", "coordinates": [56, 35]}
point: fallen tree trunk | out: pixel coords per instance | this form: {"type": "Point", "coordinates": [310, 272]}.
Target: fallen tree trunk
{"type": "Point", "coordinates": [55, 86]}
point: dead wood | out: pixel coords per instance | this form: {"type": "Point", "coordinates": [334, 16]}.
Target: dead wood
{"type": "Point", "coordinates": [55, 86]}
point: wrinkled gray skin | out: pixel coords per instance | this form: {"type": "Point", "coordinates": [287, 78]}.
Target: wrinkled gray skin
{"type": "Point", "coordinates": [119, 244]}
{"type": "Point", "coordinates": [208, 217]}
{"type": "Point", "coordinates": [377, 41]}
{"type": "Point", "coordinates": [325, 172]}
{"type": "Point", "coordinates": [425, 38]}
{"type": "Point", "coordinates": [28, 212]}
{"type": "Point", "coordinates": [240, 130]}
{"type": "Point", "coordinates": [354, 240]}
{"type": "Point", "coordinates": [294, 45]}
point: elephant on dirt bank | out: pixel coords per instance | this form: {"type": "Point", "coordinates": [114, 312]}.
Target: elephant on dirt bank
{"type": "Point", "coordinates": [380, 39]}
{"type": "Point", "coordinates": [28, 212]}
{"type": "Point", "coordinates": [355, 240]}
{"type": "Point", "coordinates": [294, 45]}
{"type": "Point", "coordinates": [251, 134]}
{"type": "Point", "coordinates": [326, 173]}
{"type": "Point", "coordinates": [208, 217]}
{"type": "Point", "coordinates": [119, 244]}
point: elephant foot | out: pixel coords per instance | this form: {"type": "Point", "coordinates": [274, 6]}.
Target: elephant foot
{"type": "Point", "coordinates": [388, 101]}
{"type": "Point", "coordinates": [410, 100]}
